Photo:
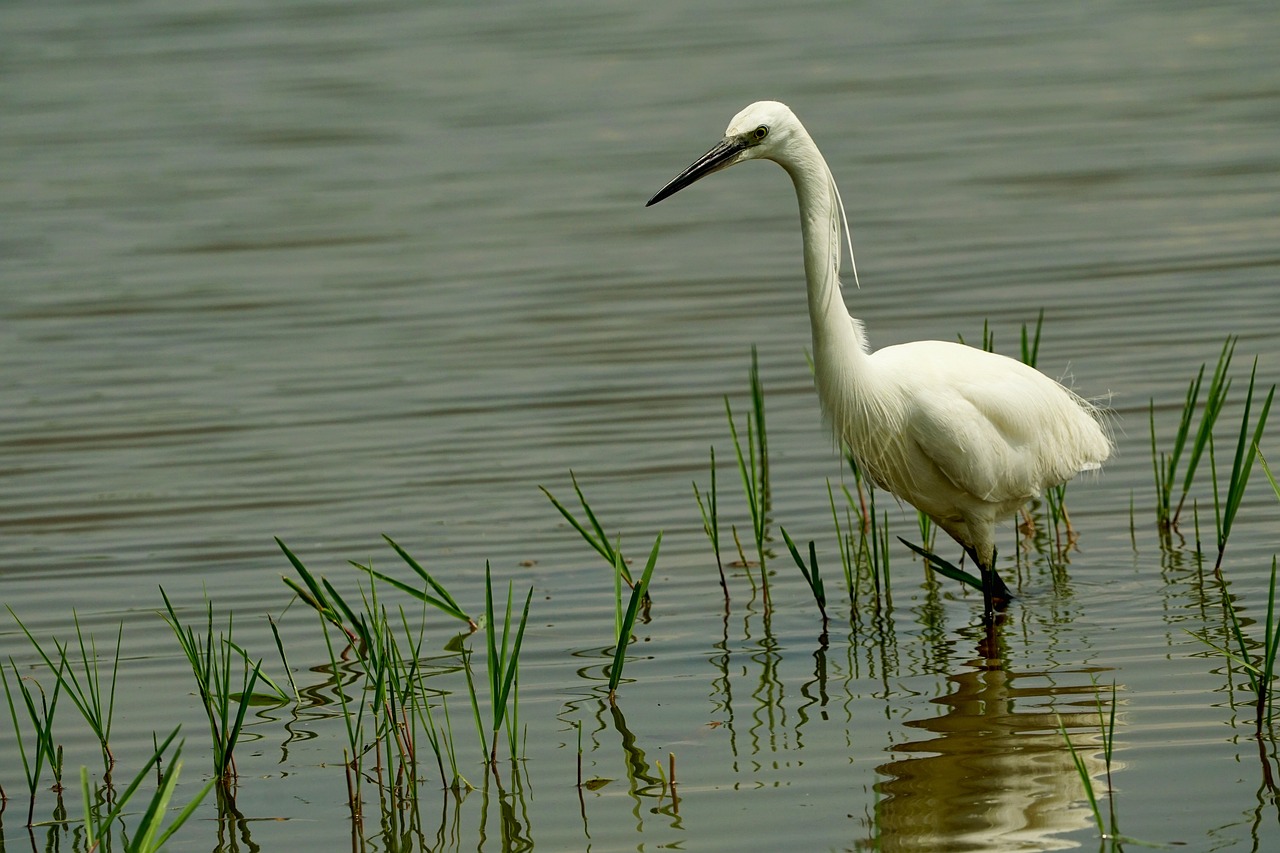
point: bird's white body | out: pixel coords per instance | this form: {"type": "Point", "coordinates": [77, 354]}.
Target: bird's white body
{"type": "Point", "coordinates": [964, 435]}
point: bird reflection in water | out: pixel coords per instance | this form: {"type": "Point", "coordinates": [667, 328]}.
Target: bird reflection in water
{"type": "Point", "coordinates": [994, 771]}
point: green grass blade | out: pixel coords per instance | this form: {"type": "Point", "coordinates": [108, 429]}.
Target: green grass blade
{"type": "Point", "coordinates": [453, 607]}
{"type": "Point", "coordinates": [629, 618]}
{"type": "Point", "coordinates": [943, 567]}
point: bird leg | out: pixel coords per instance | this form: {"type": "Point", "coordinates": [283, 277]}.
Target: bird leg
{"type": "Point", "coordinates": [995, 595]}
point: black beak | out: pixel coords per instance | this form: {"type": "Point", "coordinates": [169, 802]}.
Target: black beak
{"type": "Point", "coordinates": [720, 157]}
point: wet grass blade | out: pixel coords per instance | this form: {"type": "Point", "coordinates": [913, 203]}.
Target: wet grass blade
{"type": "Point", "coordinates": [95, 702]}
{"type": "Point", "coordinates": [503, 653]}
{"type": "Point", "coordinates": [709, 510]}
{"type": "Point", "coordinates": [943, 567]}
{"type": "Point", "coordinates": [811, 574]}
{"type": "Point", "coordinates": [1031, 346]}
{"type": "Point", "coordinates": [629, 619]}
{"type": "Point", "coordinates": [147, 834]}
{"type": "Point", "coordinates": [211, 665]}
{"type": "Point", "coordinates": [41, 718]}
{"type": "Point", "coordinates": [442, 600]}
{"type": "Point", "coordinates": [595, 536]}
{"type": "Point", "coordinates": [313, 593]}
{"type": "Point", "coordinates": [1242, 464]}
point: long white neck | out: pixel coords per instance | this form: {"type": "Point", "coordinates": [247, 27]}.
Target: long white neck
{"type": "Point", "coordinates": [839, 346]}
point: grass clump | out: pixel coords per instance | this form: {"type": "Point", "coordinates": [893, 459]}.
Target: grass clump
{"type": "Point", "coordinates": [628, 620]}
{"type": "Point", "coordinates": [213, 663]}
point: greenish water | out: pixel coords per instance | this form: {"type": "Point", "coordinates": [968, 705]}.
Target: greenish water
{"type": "Point", "coordinates": [322, 272]}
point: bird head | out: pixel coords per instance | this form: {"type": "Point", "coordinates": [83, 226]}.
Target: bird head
{"type": "Point", "coordinates": [762, 130]}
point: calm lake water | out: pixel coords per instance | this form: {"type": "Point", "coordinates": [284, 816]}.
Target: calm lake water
{"type": "Point", "coordinates": [325, 271]}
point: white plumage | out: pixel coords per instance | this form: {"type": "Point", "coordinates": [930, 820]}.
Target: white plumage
{"type": "Point", "coordinates": [965, 436]}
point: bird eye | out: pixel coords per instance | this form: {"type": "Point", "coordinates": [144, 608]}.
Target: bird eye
{"type": "Point", "coordinates": [760, 133]}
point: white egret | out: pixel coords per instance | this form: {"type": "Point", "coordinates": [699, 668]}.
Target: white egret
{"type": "Point", "coordinates": [965, 436]}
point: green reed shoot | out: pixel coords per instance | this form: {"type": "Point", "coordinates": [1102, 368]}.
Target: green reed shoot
{"type": "Point", "coordinates": [1107, 829]}
{"type": "Point", "coordinates": [629, 619]}
{"type": "Point", "coordinates": [944, 567]}
{"type": "Point", "coordinates": [503, 658]}
{"type": "Point", "coordinates": [711, 521]}
{"type": "Point", "coordinates": [441, 600]}
{"type": "Point", "coordinates": [320, 596]}
{"type": "Point", "coordinates": [1166, 465]}
{"type": "Point", "coordinates": [92, 697]}
{"type": "Point", "coordinates": [844, 541]}
{"type": "Point", "coordinates": [1031, 344]}
{"type": "Point", "coordinates": [753, 466]}
{"type": "Point", "coordinates": [354, 723]}
{"type": "Point", "coordinates": [595, 537]}
{"type": "Point", "coordinates": [1260, 669]}
{"type": "Point", "coordinates": [41, 716]}
{"type": "Point", "coordinates": [148, 835]}
{"type": "Point", "coordinates": [988, 337]}
{"type": "Point", "coordinates": [1271, 477]}
{"type": "Point", "coordinates": [212, 663]}
{"type": "Point", "coordinates": [1241, 466]}
{"type": "Point", "coordinates": [812, 575]}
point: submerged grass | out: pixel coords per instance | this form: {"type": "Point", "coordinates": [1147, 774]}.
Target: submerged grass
{"type": "Point", "coordinates": [628, 621]}
{"type": "Point", "coordinates": [1224, 511]}
{"type": "Point", "coordinates": [40, 714]}
{"type": "Point", "coordinates": [593, 535]}
{"type": "Point", "coordinates": [213, 664]}
{"type": "Point", "coordinates": [1166, 464]}
{"type": "Point", "coordinates": [83, 680]}
{"type": "Point", "coordinates": [753, 467]}
{"type": "Point", "coordinates": [149, 833]}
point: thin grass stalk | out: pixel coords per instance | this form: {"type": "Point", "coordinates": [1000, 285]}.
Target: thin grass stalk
{"type": "Point", "coordinates": [503, 656]}
{"type": "Point", "coordinates": [812, 575]}
{"type": "Point", "coordinates": [211, 666]}
{"type": "Point", "coordinates": [1215, 398]}
{"type": "Point", "coordinates": [844, 543]}
{"type": "Point", "coordinates": [148, 836]}
{"type": "Point", "coordinates": [1270, 648]}
{"type": "Point", "coordinates": [42, 722]}
{"type": "Point", "coordinates": [711, 522]}
{"type": "Point", "coordinates": [751, 486]}
{"type": "Point", "coordinates": [595, 536]}
{"type": "Point", "coordinates": [1083, 772]}
{"type": "Point", "coordinates": [629, 619]}
{"type": "Point", "coordinates": [475, 704]}
{"type": "Point", "coordinates": [1031, 347]}
{"type": "Point", "coordinates": [354, 723]}
{"type": "Point", "coordinates": [441, 600]}
{"type": "Point", "coordinates": [284, 660]}
{"type": "Point", "coordinates": [88, 696]}
{"type": "Point", "coordinates": [1242, 464]}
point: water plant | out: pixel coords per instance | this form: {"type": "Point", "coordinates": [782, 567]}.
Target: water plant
{"type": "Point", "coordinates": [812, 574]}
{"type": "Point", "coordinates": [1166, 464]}
{"type": "Point", "coordinates": [595, 536]}
{"type": "Point", "coordinates": [753, 467]}
{"type": "Point", "coordinates": [441, 600]}
{"type": "Point", "coordinates": [83, 680]}
{"type": "Point", "coordinates": [710, 512]}
{"type": "Point", "coordinates": [502, 655]}
{"type": "Point", "coordinates": [212, 663]}
{"type": "Point", "coordinates": [628, 620]}
{"type": "Point", "coordinates": [149, 833]}
{"type": "Point", "coordinates": [1241, 465]}
{"type": "Point", "coordinates": [1108, 829]}
{"type": "Point", "coordinates": [1259, 668]}
{"type": "Point", "coordinates": [40, 713]}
